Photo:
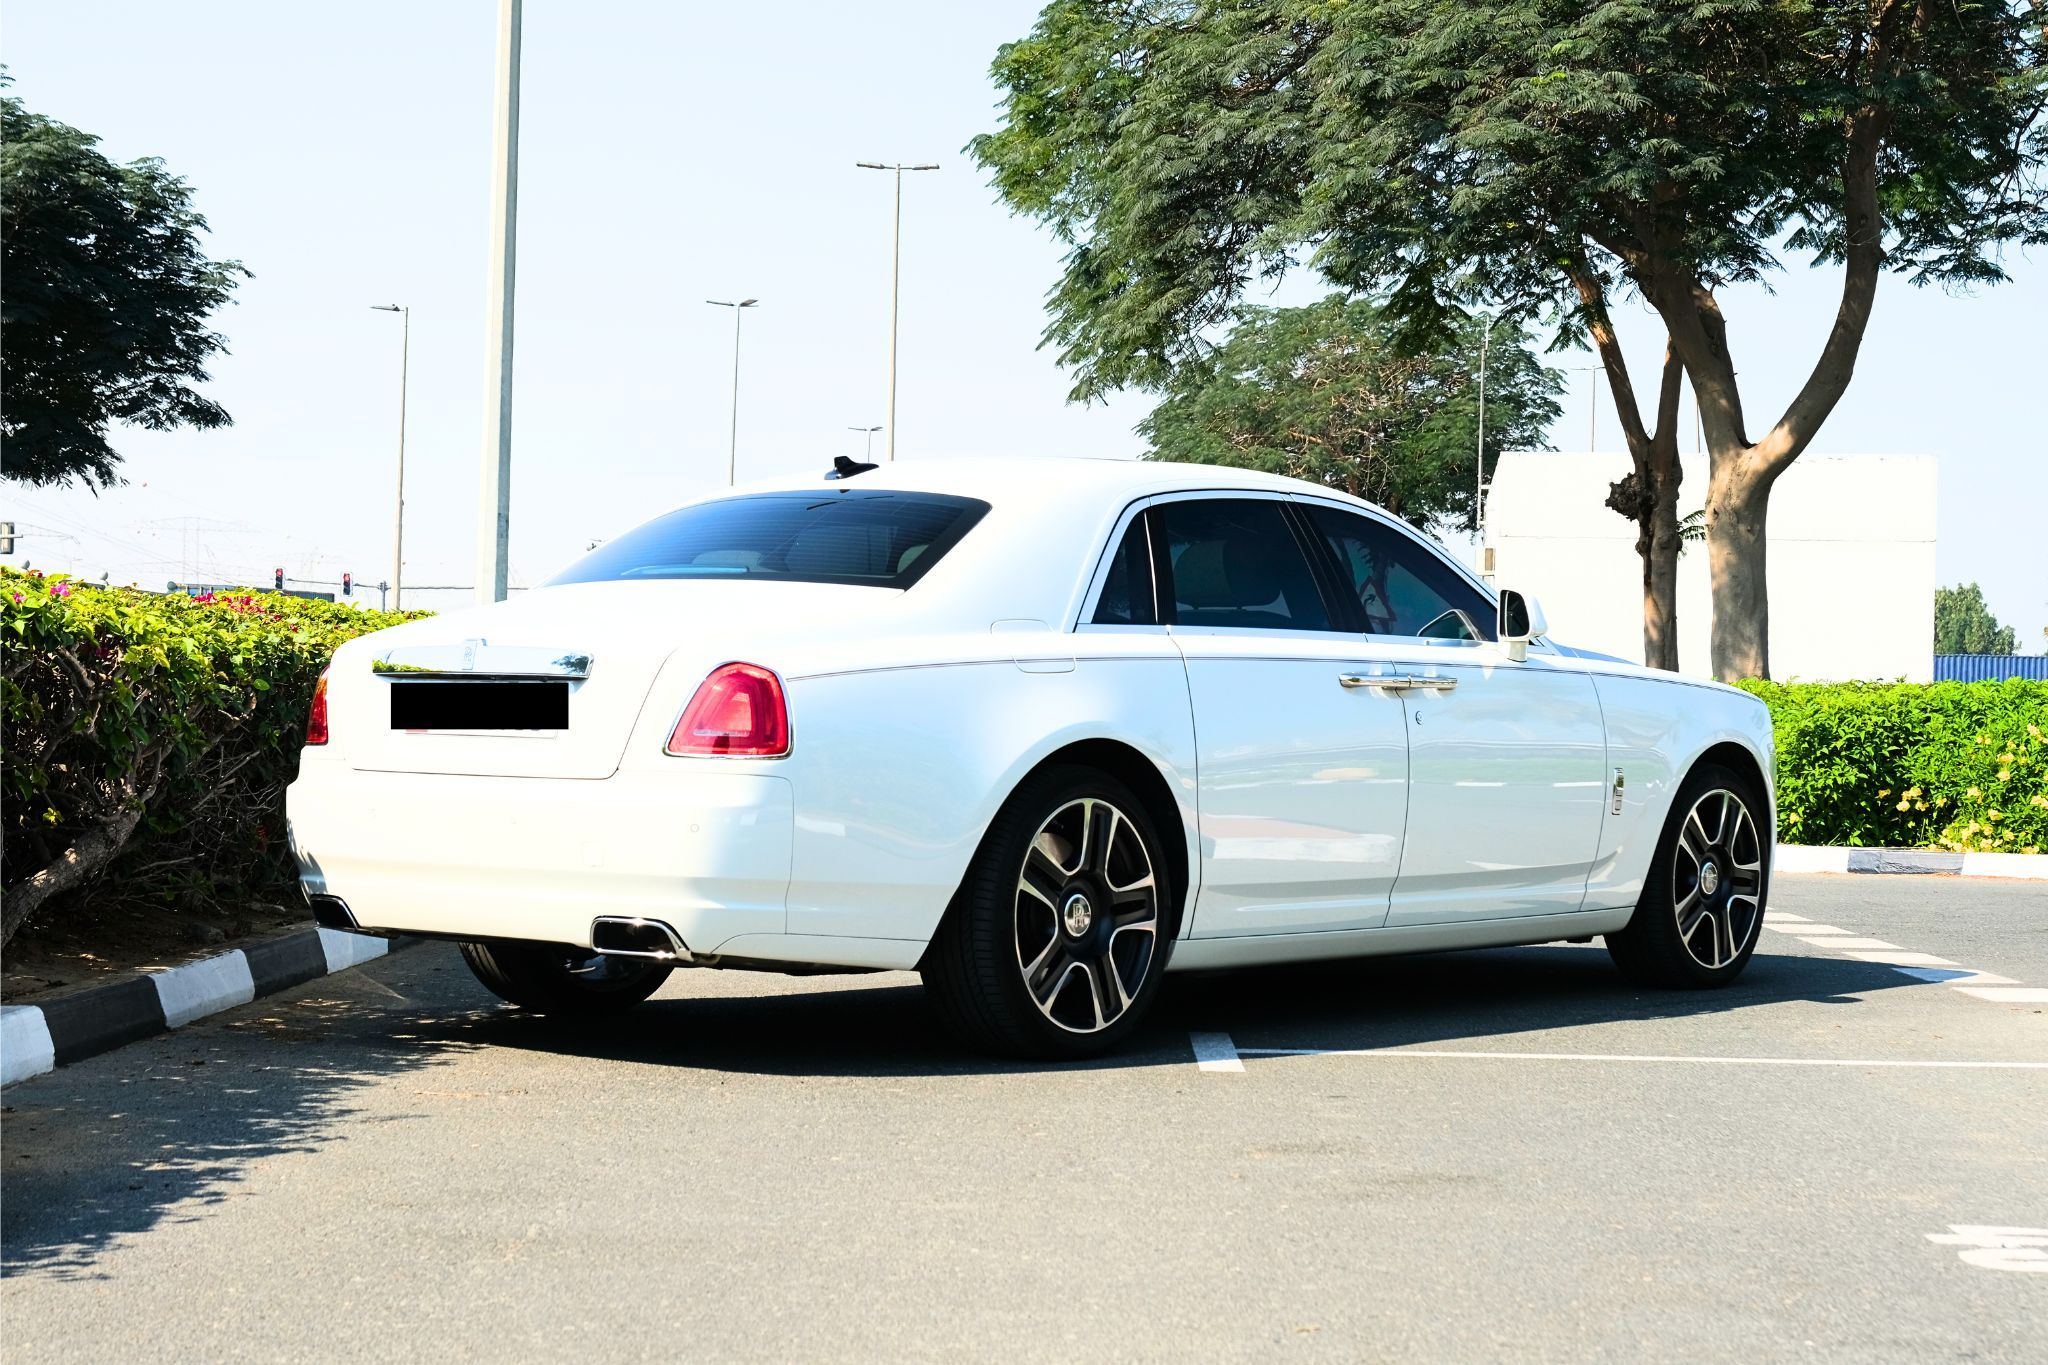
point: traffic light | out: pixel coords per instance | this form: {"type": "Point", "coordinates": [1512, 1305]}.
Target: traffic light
{"type": "Point", "coordinates": [280, 580]}
{"type": "Point", "coordinates": [348, 583]}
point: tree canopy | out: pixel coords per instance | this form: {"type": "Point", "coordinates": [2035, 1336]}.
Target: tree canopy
{"type": "Point", "coordinates": [1547, 156]}
{"type": "Point", "coordinates": [1963, 623]}
{"type": "Point", "coordinates": [1322, 393]}
{"type": "Point", "coordinates": [106, 296]}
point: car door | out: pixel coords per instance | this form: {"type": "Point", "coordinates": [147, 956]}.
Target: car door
{"type": "Point", "coordinates": [1302, 781]}
{"type": "Point", "coordinates": [1506, 760]}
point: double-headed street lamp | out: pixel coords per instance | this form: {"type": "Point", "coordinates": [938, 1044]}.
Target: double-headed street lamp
{"type": "Point", "coordinates": [732, 448]}
{"type": "Point", "coordinates": [869, 432]}
{"type": "Point", "coordinates": [404, 312]}
{"type": "Point", "coordinates": [895, 273]}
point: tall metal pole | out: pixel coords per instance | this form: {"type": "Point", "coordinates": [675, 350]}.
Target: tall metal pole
{"type": "Point", "coordinates": [732, 437]}
{"type": "Point", "coordinates": [494, 506]}
{"type": "Point", "coordinates": [398, 493]}
{"type": "Point", "coordinates": [895, 277]}
{"type": "Point", "coordinates": [732, 449]}
{"type": "Point", "coordinates": [398, 502]}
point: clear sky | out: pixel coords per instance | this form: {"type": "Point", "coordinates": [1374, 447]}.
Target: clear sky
{"type": "Point", "coordinates": [672, 153]}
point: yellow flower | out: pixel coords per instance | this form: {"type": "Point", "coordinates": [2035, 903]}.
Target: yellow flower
{"type": "Point", "coordinates": [1903, 805]}
{"type": "Point", "coordinates": [2005, 774]}
{"type": "Point", "coordinates": [1973, 792]}
{"type": "Point", "coordinates": [1910, 792]}
{"type": "Point", "coordinates": [1883, 792]}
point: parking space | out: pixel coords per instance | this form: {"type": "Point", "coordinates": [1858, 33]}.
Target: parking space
{"type": "Point", "coordinates": [1492, 1155]}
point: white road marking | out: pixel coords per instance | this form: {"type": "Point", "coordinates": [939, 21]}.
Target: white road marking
{"type": "Point", "coordinates": [1956, 976]}
{"type": "Point", "coordinates": [1895, 1063]}
{"type": "Point", "coordinates": [1809, 928]}
{"type": "Point", "coordinates": [1779, 916]}
{"type": "Point", "coordinates": [2008, 995]}
{"type": "Point", "coordinates": [1993, 1248]}
{"type": "Point", "coordinates": [1843, 945]}
{"type": "Point", "coordinates": [1215, 1052]}
{"type": "Point", "coordinates": [1903, 959]}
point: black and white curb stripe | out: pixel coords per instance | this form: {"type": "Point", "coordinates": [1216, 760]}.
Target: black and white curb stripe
{"type": "Point", "coordinates": [1911, 861]}
{"type": "Point", "coordinates": [66, 1028]}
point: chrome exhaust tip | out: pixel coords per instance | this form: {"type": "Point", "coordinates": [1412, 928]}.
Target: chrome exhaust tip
{"type": "Point", "coordinates": [625, 936]}
{"type": "Point", "coordinates": [332, 912]}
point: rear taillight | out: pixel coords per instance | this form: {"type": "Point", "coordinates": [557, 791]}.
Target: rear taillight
{"type": "Point", "coordinates": [738, 712]}
{"type": "Point", "coordinates": [316, 718]}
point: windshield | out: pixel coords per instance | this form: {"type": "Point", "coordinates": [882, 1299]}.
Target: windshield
{"type": "Point", "coordinates": [880, 538]}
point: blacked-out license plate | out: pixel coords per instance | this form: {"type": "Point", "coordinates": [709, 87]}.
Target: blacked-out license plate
{"type": "Point", "coordinates": [542, 705]}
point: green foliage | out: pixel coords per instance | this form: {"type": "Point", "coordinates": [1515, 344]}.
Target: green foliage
{"type": "Point", "coordinates": [1439, 151]}
{"type": "Point", "coordinates": [1963, 624]}
{"type": "Point", "coordinates": [190, 710]}
{"type": "Point", "coordinates": [107, 295]}
{"type": "Point", "coordinates": [1322, 393]}
{"type": "Point", "coordinates": [1949, 765]}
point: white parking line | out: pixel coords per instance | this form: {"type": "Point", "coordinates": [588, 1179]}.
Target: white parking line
{"type": "Point", "coordinates": [1888, 1062]}
{"type": "Point", "coordinates": [1993, 1248]}
{"type": "Point", "coordinates": [1214, 1052]}
{"type": "Point", "coordinates": [1920, 966]}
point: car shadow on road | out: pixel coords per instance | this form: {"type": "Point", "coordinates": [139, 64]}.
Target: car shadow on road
{"type": "Point", "coordinates": [882, 1026]}
{"type": "Point", "coordinates": [1486, 993]}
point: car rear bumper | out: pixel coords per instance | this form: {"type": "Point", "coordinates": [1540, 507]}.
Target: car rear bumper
{"type": "Point", "coordinates": [707, 853]}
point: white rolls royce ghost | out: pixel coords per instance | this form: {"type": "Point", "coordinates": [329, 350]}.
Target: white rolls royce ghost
{"type": "Point", "coordinates": [1041, 730]}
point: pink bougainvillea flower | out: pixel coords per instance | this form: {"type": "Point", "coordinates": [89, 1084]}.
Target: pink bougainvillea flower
{"type": "Point", "coordinates": [17, 597]}
{"type": "Point", "coordinates": [60, 589]}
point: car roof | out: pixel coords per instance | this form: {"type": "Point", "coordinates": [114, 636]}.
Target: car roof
{"type": "Point", "coordinates": [1014, 479]}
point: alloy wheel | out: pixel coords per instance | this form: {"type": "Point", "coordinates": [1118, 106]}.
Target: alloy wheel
{"type": "Point", "coordinates": [1087, 915]}
{"type": "Point", "coordinates": [1717, 879]}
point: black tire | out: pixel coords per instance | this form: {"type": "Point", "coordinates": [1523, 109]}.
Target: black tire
{"type": "Point", "coordinates": [1702, 908]}
{"type": "Point", "coordinates": [992, 941]}
{"type": "Point", "coordinates": [557, 979]}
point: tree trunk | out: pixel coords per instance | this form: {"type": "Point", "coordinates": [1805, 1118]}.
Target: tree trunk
{"type": "Point", "coordinates": [1660, 574]}
{"type": "Point", "coordinates": [73, 867]}
{"type": "Point", "coordinates": [1737, 509]}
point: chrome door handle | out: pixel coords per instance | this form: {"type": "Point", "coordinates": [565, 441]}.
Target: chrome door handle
{"type": "Point", "coordinates": [1397, 682]}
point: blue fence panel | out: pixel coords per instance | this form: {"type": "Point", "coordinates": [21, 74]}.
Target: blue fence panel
{"type": "Point", "coordinates": [1989, 667]}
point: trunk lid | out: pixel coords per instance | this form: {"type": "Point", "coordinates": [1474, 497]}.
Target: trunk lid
{"type": "Point", "coordinates": [607, 643]}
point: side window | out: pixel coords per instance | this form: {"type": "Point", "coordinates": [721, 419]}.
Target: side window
{"type": "Point", "coordinates": [1402, 588]}
{"type": "Point", "coordinates": [1126, 598]}
{"type": "Point", "coordinates": [1235, 563]}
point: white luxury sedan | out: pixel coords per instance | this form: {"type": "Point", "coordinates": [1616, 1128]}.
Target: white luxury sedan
{"type": "Point", "coordinates": [1041, 730]}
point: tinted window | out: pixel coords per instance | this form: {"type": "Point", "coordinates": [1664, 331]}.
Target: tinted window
{"type": "Point", "coordinates": [1126, 598]}
{"type": "Point", "coordinates": [885, 539]}
{"type": "Point", "coordinates": [1402, 588]}
{"type": "Point", "coordinates": [1236, 563]}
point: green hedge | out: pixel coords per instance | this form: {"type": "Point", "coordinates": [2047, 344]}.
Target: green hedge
{"type": "Point", "coordinates": [1959, 766]}
{"type": "Point", "coordinates": [151, 736]}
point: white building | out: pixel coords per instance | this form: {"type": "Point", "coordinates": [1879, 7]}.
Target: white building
{"type": "Point", "coordinates": [1850, 555]}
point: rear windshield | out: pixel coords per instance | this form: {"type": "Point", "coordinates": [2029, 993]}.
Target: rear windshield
{"type": "Point", "coordinates": [881, 538]}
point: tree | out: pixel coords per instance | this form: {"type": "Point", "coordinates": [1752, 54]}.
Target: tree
{"type": "Point", "coordinates": [1549, 157]}
{"type": "Point", "coordinates": [1963, 624]}
{"type": "Point", "coordinates": [1321, 393]}
{"type": "Point", "coordinates": [106, 298]}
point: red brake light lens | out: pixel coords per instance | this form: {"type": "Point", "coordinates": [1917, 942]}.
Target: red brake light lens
{"type": "Point", "coordinates": [316, 718]}
{"type": "Point", "coordinates": [737, 712]}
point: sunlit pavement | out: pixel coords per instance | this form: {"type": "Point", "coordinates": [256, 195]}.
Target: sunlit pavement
{"type": "Point", "coordinates": [384, 1164]}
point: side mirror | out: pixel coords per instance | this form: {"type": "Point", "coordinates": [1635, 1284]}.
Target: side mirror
{"type": "Point", "coordinates": [1521, 620]}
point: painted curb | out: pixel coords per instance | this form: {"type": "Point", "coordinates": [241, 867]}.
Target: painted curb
{"type": "Point", "coordinates": [1909, 862]}
{"type": "Point", "coordinates": [83, 1023]}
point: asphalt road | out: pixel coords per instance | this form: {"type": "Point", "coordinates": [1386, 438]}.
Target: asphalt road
{"type": "Point", "coordinates": [386, 1165]}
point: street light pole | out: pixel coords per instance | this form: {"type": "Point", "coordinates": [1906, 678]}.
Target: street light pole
{"type": "Point", "coordinates": [869, 432]}
{"type": "Point", "coordinates": [895, 276]}
{"type": "Point", "coordinates": [404, 312]}
{"type": "Point", "coordinates": [732, 445]}
{"type": "Point", "coordinates": [494, 505]}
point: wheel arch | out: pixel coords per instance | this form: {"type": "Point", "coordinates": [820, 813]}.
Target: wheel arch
{"type": "Point", "coordinates": [1148, 783]}
{"type": "Point", "coordinates": [1740, 758]}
